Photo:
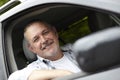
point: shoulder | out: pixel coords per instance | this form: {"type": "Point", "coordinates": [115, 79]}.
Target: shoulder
{"type": "Point", "coordinates": [23, 73]}
{"type": "Point", "coordinates": [20, 74]}
{"type": "Point", "coordinates": [36, 64]}
{"type": "Point", "coordinates": [13, 76]}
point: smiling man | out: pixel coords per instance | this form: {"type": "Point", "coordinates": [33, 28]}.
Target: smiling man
{"type": "Point", "coordinates": [43, 40]}
{"type": "Point", "coordinates": [52, 62]}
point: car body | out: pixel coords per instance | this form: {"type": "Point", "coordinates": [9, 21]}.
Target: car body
{"type": "Point", "coordinates": [66, 15]}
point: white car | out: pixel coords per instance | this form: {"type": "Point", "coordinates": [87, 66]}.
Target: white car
{"type": "Point", "coordinates": [74, 19]}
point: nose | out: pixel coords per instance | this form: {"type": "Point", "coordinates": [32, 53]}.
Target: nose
{"type": "Point", "coordinates": [43, 39]}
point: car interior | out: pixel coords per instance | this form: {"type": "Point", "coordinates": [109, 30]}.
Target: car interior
{"type": "Point", "coordinates": [73, 22]}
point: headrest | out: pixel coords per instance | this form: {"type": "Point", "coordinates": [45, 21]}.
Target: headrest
{"type": "Point", "coordinates": [98, 51]}
{"type": "Point", "coordinates": [29, 55]}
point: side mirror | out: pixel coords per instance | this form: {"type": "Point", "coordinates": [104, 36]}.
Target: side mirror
{"type": "Point", "coordinates": [98, 51]}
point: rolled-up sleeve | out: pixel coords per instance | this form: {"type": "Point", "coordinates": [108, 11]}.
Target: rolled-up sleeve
{"type": "Point", "coordinates": [24, 73]}
{"type": "Point", "coordinates": [21, 74]}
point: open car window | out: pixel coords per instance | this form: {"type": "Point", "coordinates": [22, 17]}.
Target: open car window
{"type": "Point", "coordinates": [72, 22]}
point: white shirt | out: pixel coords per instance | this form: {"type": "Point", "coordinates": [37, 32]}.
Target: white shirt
{"type": "Point", "coordinates": [65, 63]}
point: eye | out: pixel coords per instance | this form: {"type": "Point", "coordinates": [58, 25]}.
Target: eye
{"type": "Point", "coordinates": [35, 39]}
{"type": "Point", "coordinates": [46, 32]}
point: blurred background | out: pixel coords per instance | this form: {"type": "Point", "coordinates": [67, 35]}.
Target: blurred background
{"type": "Point", "coordinates": [3, 2]}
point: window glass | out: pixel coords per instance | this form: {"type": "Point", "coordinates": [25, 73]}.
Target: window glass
{"type": "Point", "coordinates": [75, 30]}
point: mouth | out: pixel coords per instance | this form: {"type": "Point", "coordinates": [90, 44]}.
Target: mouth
{"type": "Point", "coordinates": [46, 45]}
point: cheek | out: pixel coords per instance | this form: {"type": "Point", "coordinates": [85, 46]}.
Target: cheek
{"type": "Point", "coordinates": [36, 47]}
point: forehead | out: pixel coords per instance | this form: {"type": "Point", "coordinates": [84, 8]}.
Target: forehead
{"type": "Point", "coordinates": [34, 29]}
{"type": "Point", "coordinates": [38, 25]}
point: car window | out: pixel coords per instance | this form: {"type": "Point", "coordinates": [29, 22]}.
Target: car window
{"type": "Point", "coordinates": [75, 31]}
{"type": "Point", "coordinates": [72, 22]}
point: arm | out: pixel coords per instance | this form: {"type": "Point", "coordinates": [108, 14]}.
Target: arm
{"type": "Point", "coordinates": [47, 74]}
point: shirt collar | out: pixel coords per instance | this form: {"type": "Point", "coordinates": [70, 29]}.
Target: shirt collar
{"type": "Point", "coordinates": [41, 59]}
{"type": "Point", "coordinates": [64, 51]}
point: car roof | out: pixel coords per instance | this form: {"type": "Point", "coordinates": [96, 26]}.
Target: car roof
{"type": "Point", "coordinates": [109, 5]}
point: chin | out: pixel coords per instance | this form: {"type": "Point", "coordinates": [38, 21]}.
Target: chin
{"type": "Point", "coordinates": [51, 54]}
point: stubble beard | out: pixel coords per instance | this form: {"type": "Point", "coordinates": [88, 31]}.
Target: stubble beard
{"type": "Point", "coordinates": [52, 54]}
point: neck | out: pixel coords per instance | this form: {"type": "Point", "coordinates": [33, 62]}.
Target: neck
{"type": "Point", "coordinates": [56, 57]}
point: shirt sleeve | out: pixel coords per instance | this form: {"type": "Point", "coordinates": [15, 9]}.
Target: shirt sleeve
{"type": "Point", "coordinates": [24, 73]}
{"type": "Point", "coordinates": [21, 74]}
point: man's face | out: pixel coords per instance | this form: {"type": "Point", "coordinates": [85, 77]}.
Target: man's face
{"type": "Point", "coordinates": [43, 40]}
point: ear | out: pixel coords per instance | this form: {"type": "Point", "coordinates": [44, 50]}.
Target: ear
{"type": "Point", "coordinates": [31, 48]}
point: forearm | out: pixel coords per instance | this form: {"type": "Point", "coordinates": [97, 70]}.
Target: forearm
{"type": "Point", "coordinates": [47, 74]}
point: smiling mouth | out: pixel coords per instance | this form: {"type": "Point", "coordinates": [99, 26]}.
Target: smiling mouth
{"type": "Point", "coordinates": [46, 45]}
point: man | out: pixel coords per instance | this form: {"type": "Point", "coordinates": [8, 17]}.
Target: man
{"type": "Point", "coordinates": [52, 62]}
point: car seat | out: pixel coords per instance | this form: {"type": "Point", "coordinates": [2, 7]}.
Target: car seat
{"type": "Point", "coordinates": [28, 54]}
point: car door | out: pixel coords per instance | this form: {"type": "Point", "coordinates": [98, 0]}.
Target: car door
{"type": "Point", "coordinates": [65, 15]}
{"type": "Point", "coordinates": [3, 62]}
